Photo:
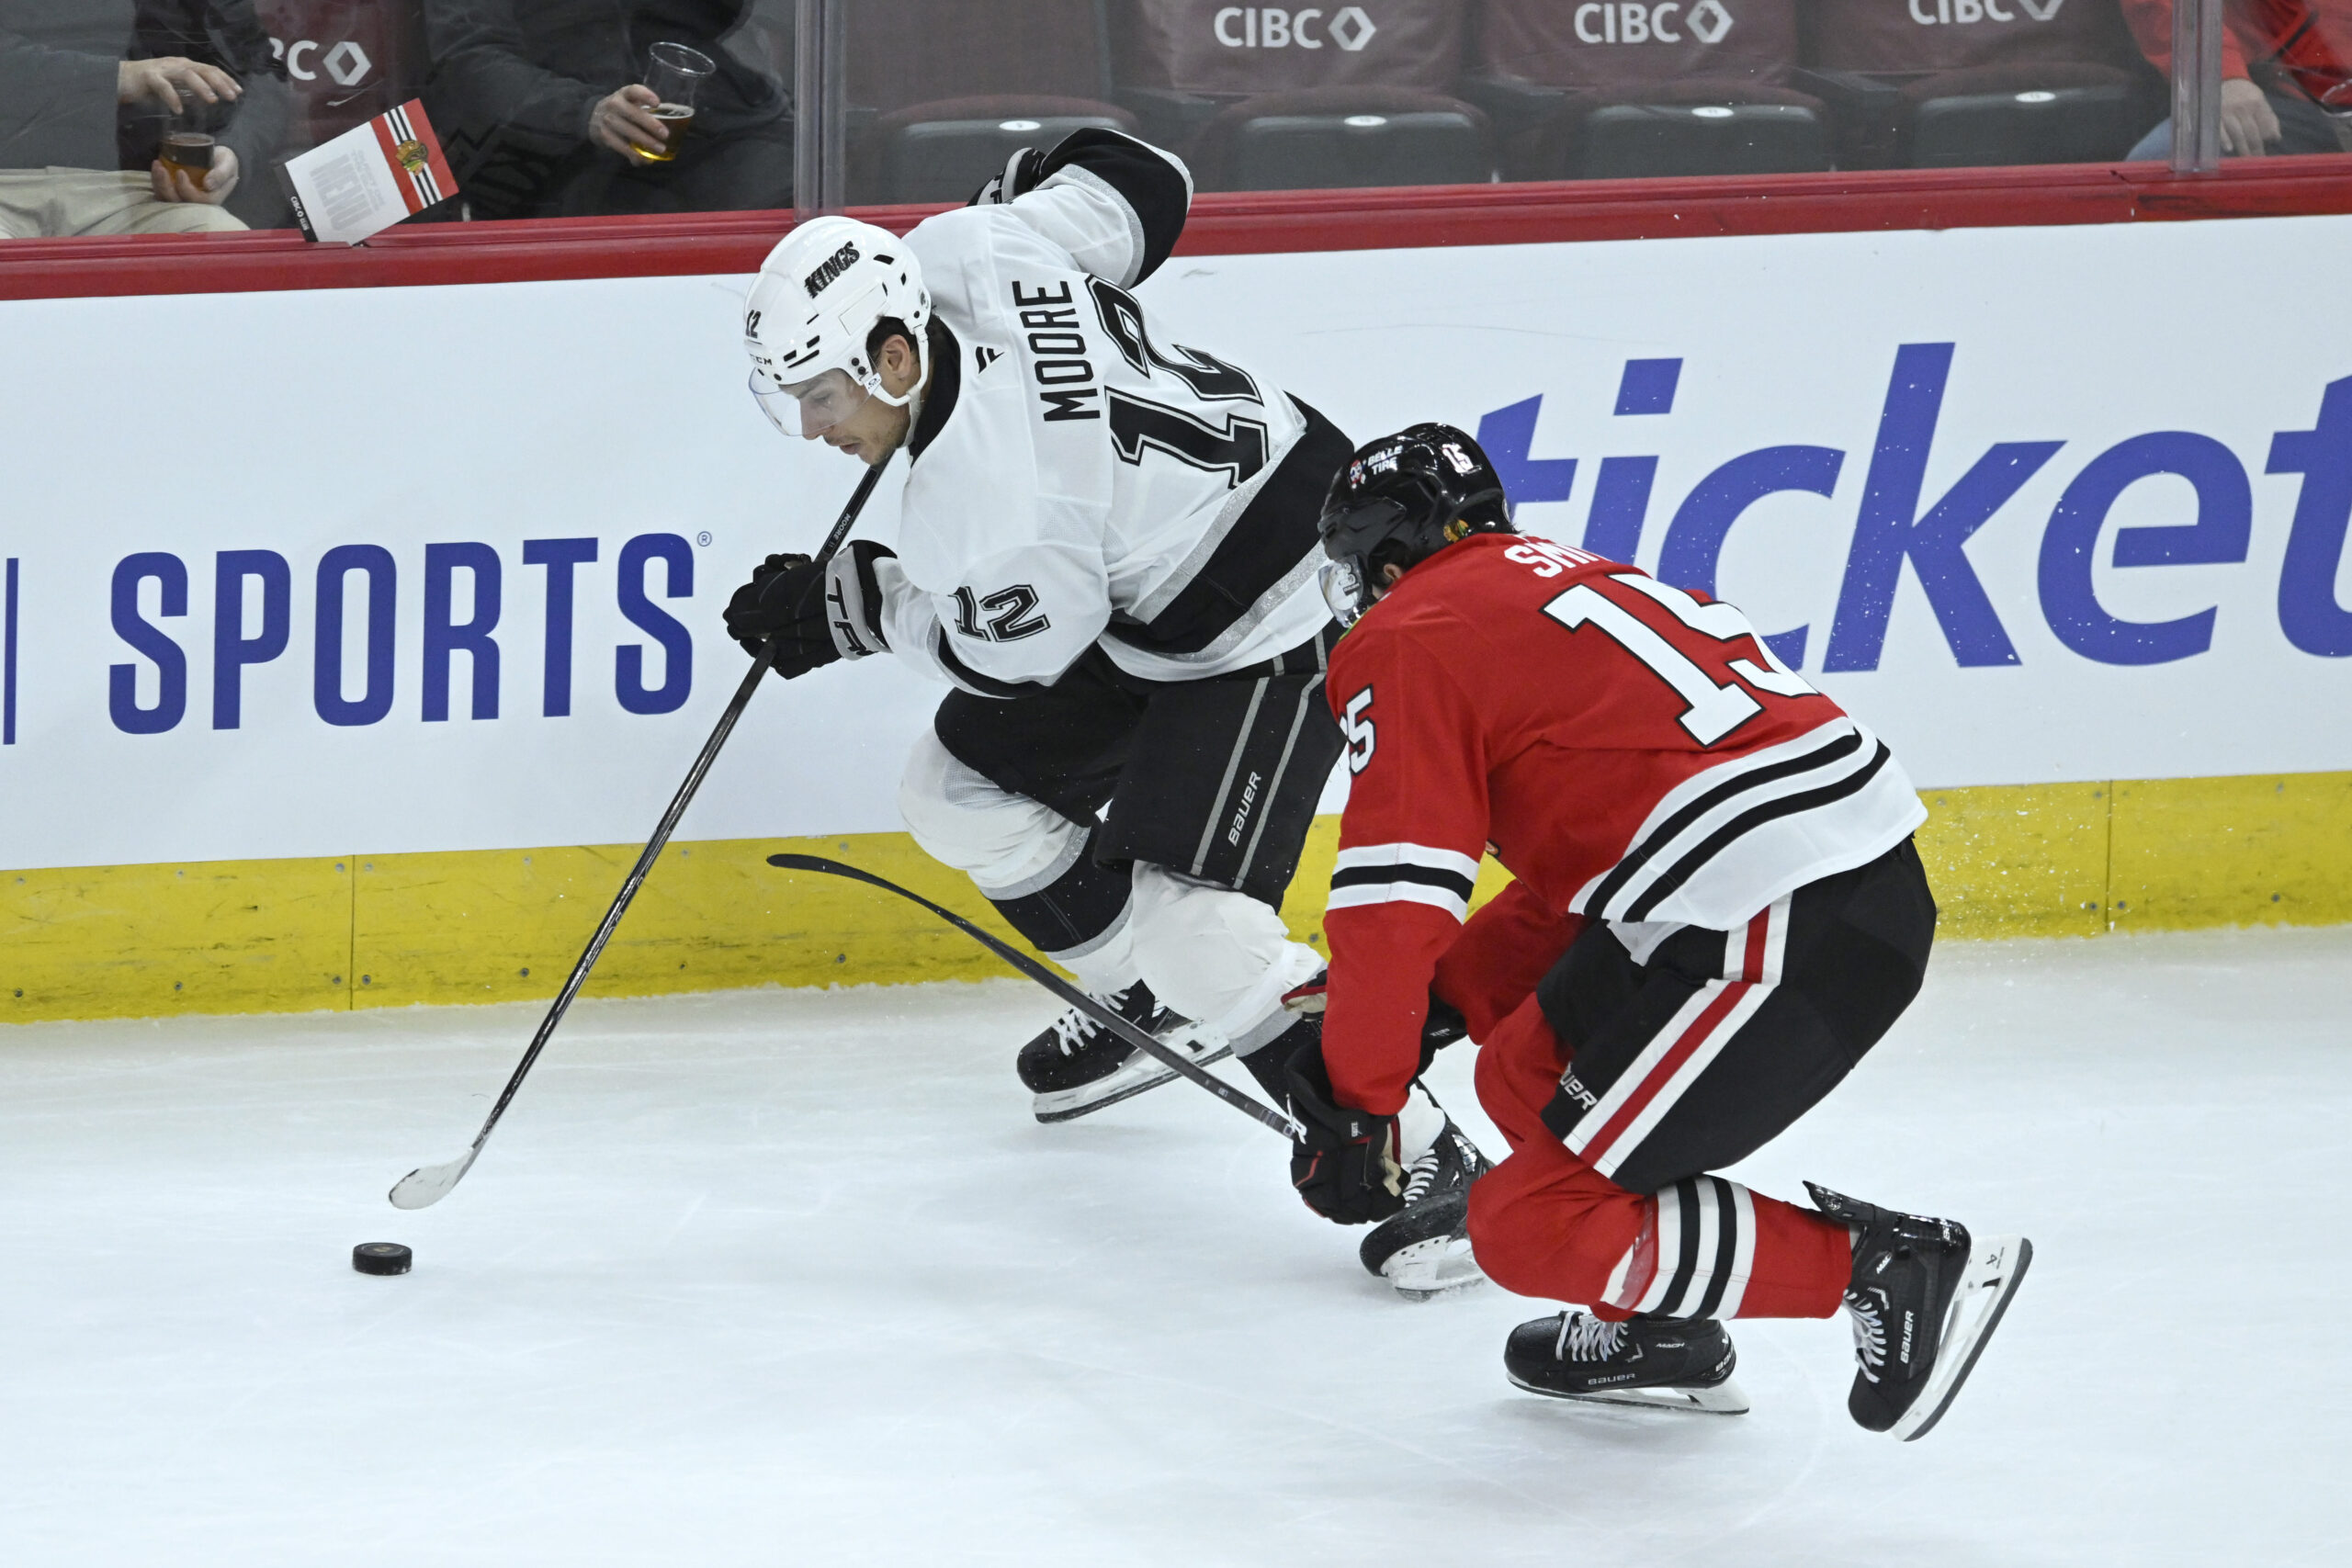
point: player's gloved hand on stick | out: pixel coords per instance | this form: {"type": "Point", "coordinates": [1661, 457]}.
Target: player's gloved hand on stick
{"type": "Point", "coordinates": [816, 613]}
{"type": "Point", "coordinates": [1346, 1166]}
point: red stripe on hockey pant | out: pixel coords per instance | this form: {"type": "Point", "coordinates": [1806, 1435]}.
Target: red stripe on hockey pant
{"type": "Point", "coordinates": [1760, 935]}
{"type": "Point", "coordinates": [1662, 1071]}
{"type": "Point", "coordinates": [1544, 1224]}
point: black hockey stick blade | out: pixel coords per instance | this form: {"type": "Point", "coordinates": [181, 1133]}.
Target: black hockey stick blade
{"type": "Point", "coordinates": [427, 1185]}
{"type": "Point", "coordinates": [1172, 1060]}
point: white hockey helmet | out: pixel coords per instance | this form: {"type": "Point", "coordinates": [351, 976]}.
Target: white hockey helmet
{"type": "Point", "coordinates": [819, 294]}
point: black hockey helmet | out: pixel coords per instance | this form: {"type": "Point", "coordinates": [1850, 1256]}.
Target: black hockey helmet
{"type": "Point", "coordinates": [1399, 501]}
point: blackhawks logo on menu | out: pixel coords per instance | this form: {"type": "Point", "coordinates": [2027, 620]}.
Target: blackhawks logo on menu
{"type": "Point", "coordinates": [411, 154]}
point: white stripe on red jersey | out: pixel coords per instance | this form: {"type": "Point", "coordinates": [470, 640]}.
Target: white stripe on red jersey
{"type": "Point", "coordinates": [1633, 752]}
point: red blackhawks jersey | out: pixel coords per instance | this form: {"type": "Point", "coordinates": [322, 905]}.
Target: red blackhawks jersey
{"type": "Point", "coordinates": [1631, 752]}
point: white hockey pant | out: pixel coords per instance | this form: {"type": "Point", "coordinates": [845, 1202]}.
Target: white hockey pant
{"type": "Point", "coordinates": [1219, 957]}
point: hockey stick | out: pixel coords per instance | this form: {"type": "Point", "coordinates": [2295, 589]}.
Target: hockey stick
{"type": "Point", "coordinates": [1280, 1121]}
{"type": "Point", "coordinates": [429, 1184]}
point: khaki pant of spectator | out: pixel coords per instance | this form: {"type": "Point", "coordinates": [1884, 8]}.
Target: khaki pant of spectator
{"type": "Point", "coordinates": [37, 204]}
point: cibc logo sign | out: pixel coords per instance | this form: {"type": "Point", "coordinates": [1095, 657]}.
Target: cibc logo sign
{"type": "Point", "coordinates": [345, 63]}
{"type": "Point", "coordinates": [1630, 21]}
{"type": "Point", "coordinates": [1263, 26]}
{"type": "Point", "coordinates": [1962, 13]}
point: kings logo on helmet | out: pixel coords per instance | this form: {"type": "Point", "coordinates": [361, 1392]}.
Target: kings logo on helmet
{"type": "Point", "coordinates": [832, 266]}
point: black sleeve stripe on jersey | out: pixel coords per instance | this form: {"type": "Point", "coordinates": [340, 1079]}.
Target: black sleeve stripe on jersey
{"type": "Point", "coordinates": [1639, 856]}
{"type": "Point", "coordinates": [1155, 188]}
{"type": "Point", "coordinates": [1454, 881]}
{"type": "Point", "coordinates": [987, 685]}
{"type": "Point", "coordinates": [1689, 864]}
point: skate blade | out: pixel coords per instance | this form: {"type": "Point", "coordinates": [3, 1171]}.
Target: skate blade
{"type": "Point", "coordinates": [1726, 1398]}
{"type": "Point", "coordinates": [1994, 1270]}
{"type": "Point", "coordinates": [1428, 1269]}
{"type": "Point", "coordinates": [1133, 1075]}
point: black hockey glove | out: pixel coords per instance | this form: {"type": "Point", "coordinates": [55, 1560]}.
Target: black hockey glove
{"type": "Point", "coordinates": [1346, 1166]}
{"type": "Point", "coordinates": [816, 613]}
{"type": "Point", "coordinates": [1020, 177]}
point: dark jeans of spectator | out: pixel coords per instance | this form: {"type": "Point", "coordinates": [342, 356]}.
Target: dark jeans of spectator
{"type": "Point", "coordinates": [2303, 127]}
{"type": "Point", "coordinates": [750, 170]}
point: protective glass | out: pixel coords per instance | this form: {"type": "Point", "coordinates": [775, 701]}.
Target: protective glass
{"type": "Point", "coordinates": [808, 407]}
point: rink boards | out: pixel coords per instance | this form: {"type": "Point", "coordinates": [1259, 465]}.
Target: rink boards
{"type": "Point", "coordinates": [496, 925]}
{"type": "Point", "coordinates": [303, 712]}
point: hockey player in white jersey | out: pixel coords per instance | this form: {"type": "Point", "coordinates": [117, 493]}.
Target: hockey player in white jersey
{"type": "Point", "coordinates": [1107, 545]}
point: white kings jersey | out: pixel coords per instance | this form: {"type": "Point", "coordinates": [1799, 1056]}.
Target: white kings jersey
{"type": "Point", "coordinates": [1074, 480]}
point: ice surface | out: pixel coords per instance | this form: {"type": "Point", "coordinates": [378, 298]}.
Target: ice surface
{"type": "Point", "coordinates": [788, 1277]}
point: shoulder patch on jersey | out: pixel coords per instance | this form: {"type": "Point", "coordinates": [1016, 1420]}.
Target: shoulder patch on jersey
{"type": "Point", "coordinates": [983, 357]}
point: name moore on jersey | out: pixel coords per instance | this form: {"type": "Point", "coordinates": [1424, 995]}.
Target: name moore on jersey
{"type": "Point", "coordinates": [1074, 480]}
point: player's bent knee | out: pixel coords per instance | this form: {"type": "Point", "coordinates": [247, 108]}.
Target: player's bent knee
{"type": "Point", "coordinates": [963, 818]}
{"type": "Point", "coordinates": [1213, 955]}
{"type": "Point", "coordinates": [1548, 1227]}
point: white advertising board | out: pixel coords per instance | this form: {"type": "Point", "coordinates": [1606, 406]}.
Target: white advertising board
{"type": "Point", "coordinates": [365, 570]}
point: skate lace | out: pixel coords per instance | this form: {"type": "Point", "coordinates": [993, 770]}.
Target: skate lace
{"type": "Point", "coordinates": [1420, 1176]}
{"type": "Point", "coordinates": [1587, 1338]}
{"type": "Point", "coordinates": [1423, 1173]}
{"type": "Point", "coordinates": [1870, 1334]}
{"type": "Point", "coordinates": [1074, 1028]}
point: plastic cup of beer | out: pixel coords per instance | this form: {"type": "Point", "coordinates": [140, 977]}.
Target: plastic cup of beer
{"type": "Point", "coordinates": [675, 74]}
{"type": "Point", "coordinates": [187, 142]}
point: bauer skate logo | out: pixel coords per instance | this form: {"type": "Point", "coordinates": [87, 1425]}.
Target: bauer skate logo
{"type": "Point", "coordinates": [832, 268]}
{"type": "Point", "coordinates": [1572, 1088]}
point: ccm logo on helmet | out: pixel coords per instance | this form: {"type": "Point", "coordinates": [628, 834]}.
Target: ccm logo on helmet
{"type": "Point", "coordinates": [832, 268]}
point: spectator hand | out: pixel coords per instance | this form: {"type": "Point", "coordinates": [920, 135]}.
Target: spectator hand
{"type": "Point", "coordinates": [624, 122]}
{"type": "Point", "coordinates": [2249, 125]}
{"type": "Point", "coordinates": [175, 185]}
{"type": "Point", "coordinates": [170, 80]}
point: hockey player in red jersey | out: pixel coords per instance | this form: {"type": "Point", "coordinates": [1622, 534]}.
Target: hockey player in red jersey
{"type": "Point", "coordinates": [1717, 910]}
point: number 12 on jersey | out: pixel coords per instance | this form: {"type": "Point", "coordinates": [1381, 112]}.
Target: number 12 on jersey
{"type": "Point", "coordinates": [1714, 711]}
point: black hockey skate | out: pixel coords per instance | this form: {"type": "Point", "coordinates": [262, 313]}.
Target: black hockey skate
{"type": "Point", "coordinates": [1924, 1299]}
{"type": "Point", "coordinates": [1424, 1248]}
{"type": "Point", "coordinates": [1655, 1363]}
{"type": "Point", "coordinates": [1078, 1066]}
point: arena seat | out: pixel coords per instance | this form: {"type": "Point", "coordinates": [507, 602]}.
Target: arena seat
{"type": "Point", "coordinates": [942, 93]}
{"type": "Point", "coordinates": [1947, 84]}
{"type": "Point", "coordinates": [1625, 88]}
{"type": "Point", "coordinates": [1335, 137]}
{"type": "Point", "coordinates": [1270, 98]}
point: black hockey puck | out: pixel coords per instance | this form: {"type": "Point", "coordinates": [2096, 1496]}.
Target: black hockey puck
{"type": "Point", "coordinates": [381, 1257]}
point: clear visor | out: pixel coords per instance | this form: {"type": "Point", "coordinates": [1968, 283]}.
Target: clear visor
{"type": "Point", "coordinates": [808, 408]}
{"type": "Point", "coordinates": [1343, 582]}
